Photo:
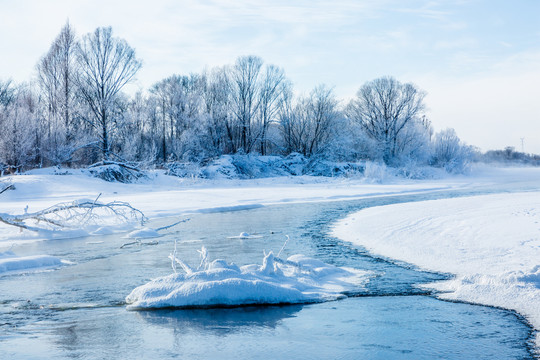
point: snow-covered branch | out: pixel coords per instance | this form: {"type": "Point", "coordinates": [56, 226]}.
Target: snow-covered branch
{"type": "Point", "coordinates": [73, 214]}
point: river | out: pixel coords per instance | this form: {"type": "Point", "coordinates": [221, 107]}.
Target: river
{"type": "Point", "coordinates": [78, 311]}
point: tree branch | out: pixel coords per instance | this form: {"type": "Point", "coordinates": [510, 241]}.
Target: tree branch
{"type": "Point", "coordinates": [74, 214]}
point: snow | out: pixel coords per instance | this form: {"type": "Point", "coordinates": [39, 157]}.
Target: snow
{"type": "Point", "coordinates": [11, 263]}
{"type": "Point", "coordinates": [245, 235]}
{"type": "Point", "coordinates": [297, 280]}
{"type": "Point", "coordinates": [159, 195]}
{"type": "Point", "coordinates": [103, 230]}
{"type": "Point", "coordinates": [250, 167]}
{"type": "Point", "coordinates": [491, 243]}
{"type": "Point", "coordinates": [144, 233]}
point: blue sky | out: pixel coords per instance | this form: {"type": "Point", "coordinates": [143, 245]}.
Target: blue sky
{"type": "Point", "coordinates": [478, 60]}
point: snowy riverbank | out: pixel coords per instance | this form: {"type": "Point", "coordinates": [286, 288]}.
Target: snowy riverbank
{"type": "Point", "coordinates": [491, 243]}
{"type": "Point", "coordinates": [160, 195]}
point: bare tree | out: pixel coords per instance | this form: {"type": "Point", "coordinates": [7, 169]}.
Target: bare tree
{"type": "Point", "coordinates": [245, 75]}
{"type": "Point", "coordinates": [7, 93]}
{"type": "Point", "coordinates": [385, 108]}
{"type": "Point", "coordinates": [56, 73]}
{"type": "Point", "coordinates": [273, 85]}
{"type": "Point", "coordinates": [20, 133]}
{"type": "Point", "coordinates": [307, 127]}
{"type": "Point", "coordinates": [323, 114]}
{"type": "Point", "coordinates": [7, 97]}
{"type": "Point", "coordinates": [107, 64]}
{"type": "Point", "coordinates": [217, 99]}
{"type": "Point", "coordinates": [287, 123]}
{"type": "Point", "coordinates": [178, 101]}
{"type": "Point", "coordinates": [256, 93]}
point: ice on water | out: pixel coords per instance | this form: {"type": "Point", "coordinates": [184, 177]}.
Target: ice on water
{"type": "Point", "coordinates": [245, 235]}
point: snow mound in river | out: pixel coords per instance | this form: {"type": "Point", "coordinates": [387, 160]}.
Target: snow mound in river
{"type": "Point", "coordinates": [297, 280]}
{"type": "Point", "coordinates": [10, 262]}
{"type": "Point", "coordinates": [143, 233]}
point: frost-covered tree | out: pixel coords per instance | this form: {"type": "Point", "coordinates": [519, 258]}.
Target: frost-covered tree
{"type": "Point", "coordinates": [106, 65]}
{"type": "Point", "coordinates": [245, 89]}
{"type": "Point", "coordinates": [414, 144]}
{"type": "Point", "coordinates": [7, 93]}
{"type": "Point", "coordinates": [449, 152]}
{"type": "Point", "coordinates": [135, 137]}
{"type": "Point", "coordinates": [56, 73]}
{"type": "Point", "coordinates": [20, 135]}
{"type": "Point", "coordinates": [256, 91]}
{"type": "Point", "coordinates": [273, 86]}
{"type": "Point", "coordinates": [308, 126]}
{"type": "Point", "coordinates": [217, 100]}
{"type": "Point", "coordinates": [179, 104]}
{"type": "Point", "coordinates": [386, 110]}
{"type": "Point", "coordinates": [81, 115]}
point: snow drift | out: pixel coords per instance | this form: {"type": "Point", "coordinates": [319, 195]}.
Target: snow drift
{"type": "Point", "coordinates": [297, 280]}
{"type": "Point", "coordinates": [11, 263]}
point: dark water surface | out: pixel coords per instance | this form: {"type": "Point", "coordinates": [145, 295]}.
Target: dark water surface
{"type": "Point", "coordinates": [78, 311]}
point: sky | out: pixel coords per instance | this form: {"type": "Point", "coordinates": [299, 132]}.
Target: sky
{"type": "Point", "coordinates": [478, 60]}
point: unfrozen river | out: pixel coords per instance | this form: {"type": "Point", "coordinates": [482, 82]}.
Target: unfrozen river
{"type": "Point", "coordinates": [78, 311]}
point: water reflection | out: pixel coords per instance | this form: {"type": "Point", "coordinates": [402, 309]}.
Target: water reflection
{"type": "Point", "coordinates": [221, 321]}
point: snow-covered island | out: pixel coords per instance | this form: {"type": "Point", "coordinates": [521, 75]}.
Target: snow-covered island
{"type": "Point", "coordinates": [296, 280]}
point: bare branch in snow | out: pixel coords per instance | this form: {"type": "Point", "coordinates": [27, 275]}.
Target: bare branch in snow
{"type": "Point", "coordinates": [6, 187]}
{"type": "Point", "coordinates": [73, 214]}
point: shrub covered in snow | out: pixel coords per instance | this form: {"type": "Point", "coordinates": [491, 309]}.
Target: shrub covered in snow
{"type": "Point", "coordinates": [252, 167]}
{"type": "Point", "coordinates": [221, 168]}
{"type": "Point", "coordinates": [377, 172]}
{"type": "Point", "coordinates": [320, 167]}
{"type": "Point", "coordinates": [183, 169]}
{"type": "Point", "coordinates": [116, 172]}
{"type": "Point", "coordinates": [246, 167]}
{"type": "Point", "coordinates": [450, 153]}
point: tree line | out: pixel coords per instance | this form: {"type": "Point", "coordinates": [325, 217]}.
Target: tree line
{"type": "Point", "coordinates": [75, 113]}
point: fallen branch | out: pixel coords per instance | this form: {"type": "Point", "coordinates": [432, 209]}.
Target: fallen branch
{"type": "Point", "coordinates": [7, 187]}
{"type": "Point", "coordinates": [74, 214]}
{"type": "Point", "coordinates": [139, 242]}
{"type": "Point", "coordinates": [166, 227]}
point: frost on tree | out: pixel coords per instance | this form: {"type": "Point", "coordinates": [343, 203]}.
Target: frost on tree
{"type": "Point", "coordinates": [106, 64]}
{"type": "Point", "coordinates": [56, 72]}
{"type": "Point", "coordinates": [391, 113]}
